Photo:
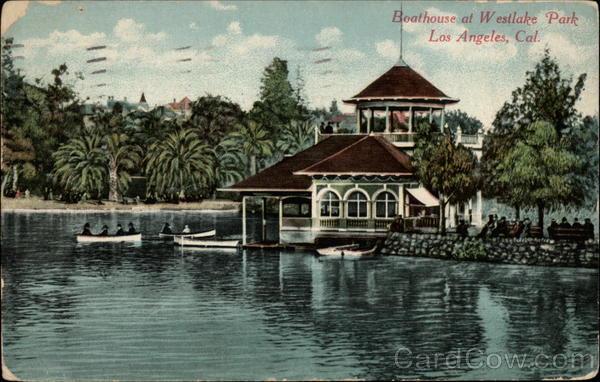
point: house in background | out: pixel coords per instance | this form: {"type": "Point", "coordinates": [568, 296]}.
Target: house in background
{"type": "Point", "coordinates": [183, 108]}
{"type": "Point", "coordinates": [354, 184]}
{"type": "Point", "coordinates": [128, 106]}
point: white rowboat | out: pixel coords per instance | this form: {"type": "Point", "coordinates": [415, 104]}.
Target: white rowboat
{"type": "Point", "coordinates": [108, 239]}
{"type": "Point", "coordinates": [190, 235]}
{"type": "Point", "coordinates": [350, 251]}
{"type": "Point", "coordinates": [186, 242]}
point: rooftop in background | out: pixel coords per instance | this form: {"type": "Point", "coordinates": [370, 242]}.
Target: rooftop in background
{"type": "Point", "coordinates": [184, 104]}
{"type": "Point", "coordinates": [402, 83]}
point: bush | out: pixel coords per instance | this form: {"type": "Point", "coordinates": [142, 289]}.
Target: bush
{"type": "Point", "coordinates": [471, 250]}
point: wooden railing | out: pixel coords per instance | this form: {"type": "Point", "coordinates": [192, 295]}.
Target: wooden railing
{"type": "Point", "coordinates": [377, 224]}
{"type": "Point", "coordinates": [357, 223]}
{"type": "Point", "coordinates": [407, 139]}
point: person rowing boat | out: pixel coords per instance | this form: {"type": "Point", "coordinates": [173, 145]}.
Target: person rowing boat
{"type": "Point", "coordinates": [104, 231]}
{"type": "Point", "coordinates": [86, 230]}
{"type": "Point", "coordinates": [131, 230]}
{"type": "Point", "coordinates": [120, 231]}
{"type": "Point", "coordinates": [167, 229]}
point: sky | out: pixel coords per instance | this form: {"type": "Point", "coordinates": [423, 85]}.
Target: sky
{"type": "Point", "coordinates": [339, 47]}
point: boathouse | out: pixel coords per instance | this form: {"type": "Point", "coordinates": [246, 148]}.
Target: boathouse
{"type": "Point", "coordinates": [354, 184]}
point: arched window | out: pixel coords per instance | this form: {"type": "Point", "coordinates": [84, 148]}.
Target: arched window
{"type": "Point", "coordinates": [330, 205]}
{"type": "Point", "coordinates": [357, 205]}
{"type": "Point", "coordinates": [385, 205]}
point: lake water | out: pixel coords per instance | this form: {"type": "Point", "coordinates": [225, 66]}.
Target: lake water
{"type": "Point", "coordinates": [154, 312]}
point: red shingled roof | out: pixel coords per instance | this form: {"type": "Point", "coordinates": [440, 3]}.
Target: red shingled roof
{"type": "Point", "coordinates": [402, 82]}
{"type": "Point", "coordinates": [280, 176]}
{"type": "Point", "coordinates": [371, 155]}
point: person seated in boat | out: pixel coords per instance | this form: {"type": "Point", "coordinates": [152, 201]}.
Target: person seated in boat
{"type": "Point", "coordinates": [120, 231]}
{"type": "Point", "coordinates": [186, 229]}
{"type": "Point", "coordinates": [131, 230]}
{"type": "Point", "coordinates": [576, 224]}
{"type": "Point", "coordinates": [104, 231]}
{"type": "Point", "coordinates": [167, 229]}
{"type": "Point", "coordinates": [86, 230]}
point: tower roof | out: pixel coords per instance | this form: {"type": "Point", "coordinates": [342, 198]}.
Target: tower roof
{"type": "Point", "coordinates": [399, 83]}
{"type": "Point", "coordinates": [143, 98]}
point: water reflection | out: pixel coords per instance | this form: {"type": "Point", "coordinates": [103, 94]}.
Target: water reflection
{"type": "Point", "coordinates": [147, 311]}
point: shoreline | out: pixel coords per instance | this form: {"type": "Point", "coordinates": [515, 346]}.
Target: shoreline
{"type": "Point", "coordinates": [37, 205]}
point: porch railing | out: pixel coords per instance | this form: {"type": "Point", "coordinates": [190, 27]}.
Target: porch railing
{"type": "Point", "coordinates": [407, 139]}
{"type": "Point", "coordinates": [377, 224]}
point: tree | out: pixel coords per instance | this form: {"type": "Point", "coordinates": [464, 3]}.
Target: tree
{"type": "Point", "coordinates": [539, 169]}
{"type": "Point", "coordinates": [468, 125]}
{"type": "Point", "coordinates": [229, 165]}
{"type": "Point", "coordinates": [214, 117]}
{"type": "Point", "coordinates": [80, 166]}
{"type": "Point", "coordinates": [254, 141]}
{"type": "Point", "coordinates": [180, 165]}
{"type": "Point", "coordinates": [277, 104]}
{"type": "Point", "coordinates": [444, 166]}
{"type": "Point", "coordinates": [17, 149]}
{"type": "Point", "coordinates": [122, 157]}
{"type": "Point", "coordinates": [546, 96]}
{"type": "Point", "coordinates": [296, 137]}
{"type": "Point", "coordinates": [333, 109]}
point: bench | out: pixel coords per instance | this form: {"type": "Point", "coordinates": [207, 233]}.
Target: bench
{"type": "Point", "coordinates": [570, 233]}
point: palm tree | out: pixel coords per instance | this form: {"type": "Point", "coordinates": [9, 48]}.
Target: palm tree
{"type": "Point", "coordinates": [81, 165]}
{"type": "Point", "coordinates": [179, 164]}
{"type": "Point", "coordinates": [254, 141]}
{"type": "Point", "coordinates": [122, 156]}
{"type": "Point", "coordinates": [296, 137]}
{"type": "Point", "coordinates": [229, 165]}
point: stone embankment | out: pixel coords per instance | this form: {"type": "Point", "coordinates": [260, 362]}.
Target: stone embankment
{"type": "Point", "coordinates": [527, 251]}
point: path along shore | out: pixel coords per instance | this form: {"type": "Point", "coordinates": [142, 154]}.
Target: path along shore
{"type": "Point", "coordinates": [35, 204]}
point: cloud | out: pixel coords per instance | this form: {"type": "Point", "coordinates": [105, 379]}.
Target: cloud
{"type": "Point", "coordinates": [328, 36]}
{"type": "Point", "coordinates": [388, 49]}
{"type": "Point", "coordinates": [59, 43]}
{"type": "Point", "coordinates": [14, 10]}
{"type": "Point", "coordinates": [222, 7]}
{"type": "Point", "coordinates": [129, 31]}
{"type": "Point", "coordinates": [234, 27]}
{"type": "Point", "coordinates": [564, 49]}
{"type": "Point", "coordinates": [193, 26]}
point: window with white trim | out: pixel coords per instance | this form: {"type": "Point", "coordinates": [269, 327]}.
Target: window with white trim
{"type": "Point", "coordinates": [330, 205]}
{"type": "Point", "coordinates": [385, 205]}
{"type": "Point", "coordinates": [357, 205]}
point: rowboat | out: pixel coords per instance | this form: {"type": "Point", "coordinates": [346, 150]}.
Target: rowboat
{"type": "Point", "coordinates": [189, 235]}
{"type": "Point", "coordinates": [108, 239]}
{"type": "Point", "coordinates": [187, 242]}
{"type": "Point", "coordinates": [349, 251]}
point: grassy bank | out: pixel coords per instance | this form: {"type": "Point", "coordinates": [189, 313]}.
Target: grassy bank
{"type": "Point", "coordinates": [34, 204]}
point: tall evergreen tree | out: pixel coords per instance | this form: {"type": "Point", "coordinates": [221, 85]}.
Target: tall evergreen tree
{"type": "Point", "coordinates": [547, 96]}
